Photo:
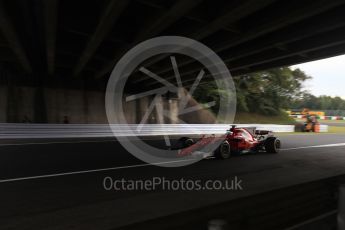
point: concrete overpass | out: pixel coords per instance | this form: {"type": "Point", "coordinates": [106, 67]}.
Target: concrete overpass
{"type": "Point", "coordinates": [60, 44]}
{"type": "Point", "coordinates": [55, 59]}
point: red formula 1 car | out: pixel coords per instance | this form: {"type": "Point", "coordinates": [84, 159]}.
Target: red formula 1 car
{"type": "Point", "coordinates": [236, 141]}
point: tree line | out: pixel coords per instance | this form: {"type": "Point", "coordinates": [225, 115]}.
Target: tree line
{"type": "Point", "coordinates": [319, 103]}
{"type": "Point", "coordinates": [270, 92]}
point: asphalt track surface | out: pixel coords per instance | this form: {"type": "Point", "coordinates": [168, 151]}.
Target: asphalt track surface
{"type": "Point", "coordinates": [59, 184]}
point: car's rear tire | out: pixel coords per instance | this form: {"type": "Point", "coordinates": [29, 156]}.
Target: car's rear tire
{"type": "Point", "coordinates": [223, 151]}
{"type": "Point", "coordinates": [272, 145]}
{"type": "Point", "coordinates": [185, 142]}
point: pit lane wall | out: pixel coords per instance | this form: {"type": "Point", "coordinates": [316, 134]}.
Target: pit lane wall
{"type": "Point", "coordinates": [43, 131]}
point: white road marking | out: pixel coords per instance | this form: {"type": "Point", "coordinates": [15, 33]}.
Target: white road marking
{"type": "Point", "coordinates": [306, 134]}
{"type": "Point", "coordinates": [315, 146]}
{"type": "Point", "coordinates": [89, 171]}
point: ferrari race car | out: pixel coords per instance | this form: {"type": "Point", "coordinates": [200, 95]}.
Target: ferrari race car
{"type": "Point", "coordinates": [236, 141]}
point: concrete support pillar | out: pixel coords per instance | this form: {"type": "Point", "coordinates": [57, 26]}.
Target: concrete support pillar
{"type": "Point", "coordinates": [12, 108]}
{"type": "Point", "coordinates": [42, 105]}
{"type": "Point", "coordinates": [40, 110]}
{"type": "Point", "coordinates": [141, 108]}
{"type": "Point", "coordinates": [130, 110]}
{"type": "Point", "coordinates": [181, 92]}
{"type": "Point", "coordinates": [3, 104]}
{"type": "Point", "coordinates": [85, 104]}
{"type": "Point", "coordinates": [25, 97]}
{"type": "Point", "coordinates": [159, 110]}
{"type": "Point", "coordinates": [96, 108]}
{"type": "Point", "coordinates": [53, 104]}
{"type": "Point", "coordinates": [20, 104]}
{"type": "Point", "coordinates": [152, 119]}
{"type": "Point", "coordinates": [172, 105]}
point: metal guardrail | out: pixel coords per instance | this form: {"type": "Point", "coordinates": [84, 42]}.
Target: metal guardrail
{"type": "Point", "coordinates": [20, 130]}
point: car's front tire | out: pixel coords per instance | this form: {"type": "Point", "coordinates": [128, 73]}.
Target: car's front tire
{"type": "Point", "coordinates": [223, 151]}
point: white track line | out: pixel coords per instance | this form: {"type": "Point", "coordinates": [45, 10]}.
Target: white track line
{"type": "Point", "coordinates": [315, 146]}
{"type": "Point", "coordinates": [89, 171]}
{"type": "Point", "coordinates": [306, 134]}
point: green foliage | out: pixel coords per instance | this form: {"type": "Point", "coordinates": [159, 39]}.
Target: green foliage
{"type": "Point", "coordinates": [318, 103]}
{"type": "Point", "coordinates": [249, 118]}
{"type": "Point", "coordinates": [268, 92]}
{"type": "Point", "coordinates": [265, 92]}
{"type": "Point", "coordinates": [209, 92]}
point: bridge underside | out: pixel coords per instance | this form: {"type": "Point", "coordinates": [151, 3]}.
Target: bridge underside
{"type": "Point", "coordinates": [60, 43]}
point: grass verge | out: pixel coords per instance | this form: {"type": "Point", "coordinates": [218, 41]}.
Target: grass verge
{"type": "Point", "coordinates": [253, 118]}
{"type": "Point", "coordinates": [336, 129]}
